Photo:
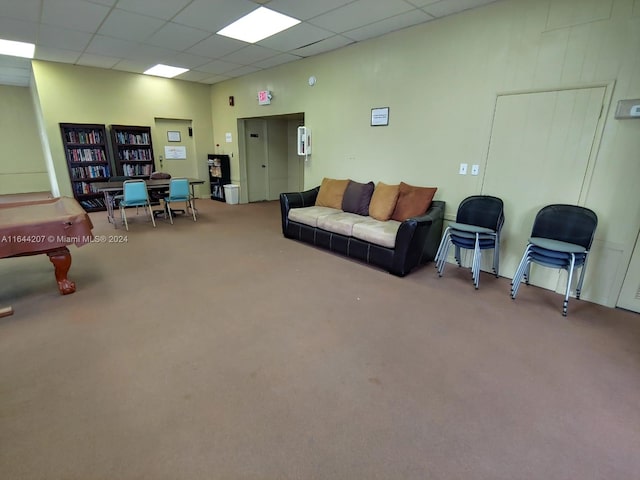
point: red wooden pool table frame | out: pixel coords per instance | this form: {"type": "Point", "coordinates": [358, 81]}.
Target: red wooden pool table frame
{"type": "Point", "coordinates": [45, 226]}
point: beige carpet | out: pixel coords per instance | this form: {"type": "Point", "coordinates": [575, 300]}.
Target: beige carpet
{"type": "Point", "coordinates": [221, 350]}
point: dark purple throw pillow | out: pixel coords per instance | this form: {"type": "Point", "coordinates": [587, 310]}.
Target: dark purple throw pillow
{"type": "Point", "coordinates": [357, 197]}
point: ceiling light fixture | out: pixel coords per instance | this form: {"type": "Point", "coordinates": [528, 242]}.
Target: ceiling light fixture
{"type": "Point", "coordinates": [165, 71]}
{"type": "Point", "coordinates": [17, 49]}
{"type": "Point", "coordinates": [257, 25]}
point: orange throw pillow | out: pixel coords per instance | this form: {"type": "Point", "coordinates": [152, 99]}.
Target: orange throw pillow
{"type": "Point", "coordinates": [383, 201]}
{"type": "Point", "coordinates": [412, 201]}
{"type": "Point", "coordinates": [331, 193]}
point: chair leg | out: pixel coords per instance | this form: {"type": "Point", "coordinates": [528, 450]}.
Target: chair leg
{"type": "Point", "coordinates": [517, 277]}
{"type": "Point", "coordinates": [475, 266]}
{"type": "Point", "coordinates": [193, 210]}
{"type": "Point", "coordinates": [153, 220]}
{"type": "Point", "coordinates": [123, 217]}
{"type": "Point", "coordinates": [169, 210]}
{"type": "Point", "coordinates": [445, 236]}
{"type": "Point", "coordinates": [443, 258]}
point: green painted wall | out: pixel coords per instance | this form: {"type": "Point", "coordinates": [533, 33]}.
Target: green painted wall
{"type": "Point", "coordinates": [73, 94]}
{"type": "Point", "coordinates": [440, 81]}
{"type": "Point", "coordinates": [22, 163]}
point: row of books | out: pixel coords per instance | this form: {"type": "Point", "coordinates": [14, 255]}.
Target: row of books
{"type": "Point", "coordinates": [133, 170]}
{"type": "Point", "coordinates": [83, 188]}
{"type": "Point", "coordinates": [93, 204]}
{"type": "Point", "coordinates": [86, 155]}
{"type": "Point", "coordinates": [84, 136]}
{"type": "Point", "coordinates": [132, 138]}
{"type": "Point", "coordinates": [90, 171]}
{"type": "Point", "coordinates": [135, 154]}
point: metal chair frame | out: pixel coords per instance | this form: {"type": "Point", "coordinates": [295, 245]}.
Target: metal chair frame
{"type": "Point", "coordinates": [474, 230]}
{"type": "Point", "coordinates": [179, 191]}
{"type": "Point", "coordinates": [135, 194]}
{"type": "Point", "coordinates": [561, 238]}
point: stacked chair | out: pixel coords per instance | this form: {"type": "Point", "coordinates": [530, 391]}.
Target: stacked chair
{"type": "Point", "coordinates": [561, 238]}
{"type": "Point", "coordinates": [478, 224]}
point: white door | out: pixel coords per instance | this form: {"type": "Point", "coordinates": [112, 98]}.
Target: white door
{"type": "Point", "coordinates": [257, 159]}
{"type": "Point", "coordinates": [538, 155]}
{"type": "Point", "coordinates": [630, 293]}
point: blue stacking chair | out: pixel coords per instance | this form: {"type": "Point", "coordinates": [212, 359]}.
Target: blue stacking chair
{"type": "Point", "coordinates": [134, 194]}
{"type": "Point", "coordinates": [179, 191]}
{"type": "Point", "coordinates": [561, 238]}
{"type": "Point", "coordinates": [478, 224]}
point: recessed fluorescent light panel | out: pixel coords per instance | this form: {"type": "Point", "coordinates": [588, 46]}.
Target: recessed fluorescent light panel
{"type": "Point", "coordinates": [165, 71]}
{"type": "Point", "coordinates": [17, 49]}
{"type": "Point", "coordinates": [259, 24]}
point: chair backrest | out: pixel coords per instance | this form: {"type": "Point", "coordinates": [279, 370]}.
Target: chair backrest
{"type": "Point", "coordinates": [179, 187]}
{"type": "Point", "coordinates": [135, 190]}
{"type": "Point", "coordinates": [566, 223]}
{"type": "Point", "coordinates": [482, 211]}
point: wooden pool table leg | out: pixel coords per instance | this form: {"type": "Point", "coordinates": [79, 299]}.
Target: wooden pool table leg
{"type": "Point", "coordinates": [61, 259]}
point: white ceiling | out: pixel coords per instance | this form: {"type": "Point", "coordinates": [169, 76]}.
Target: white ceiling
{"type": "Point", "coordinates": [133, 35]}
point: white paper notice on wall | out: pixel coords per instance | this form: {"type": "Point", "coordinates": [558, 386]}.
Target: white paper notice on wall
{"type": "Point", "coordinates": [175, 153]}
{"type": "Point", "coordinates": [228, 138]}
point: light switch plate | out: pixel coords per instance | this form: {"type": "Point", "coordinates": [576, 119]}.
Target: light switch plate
{"type": "Point", "coordinates": [463, 169]}
{"type": "Point", "coordinates": [475, 169]}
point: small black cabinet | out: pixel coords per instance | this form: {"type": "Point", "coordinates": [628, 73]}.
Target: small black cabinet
{"type": "Point", "coordinates": [219, 175]}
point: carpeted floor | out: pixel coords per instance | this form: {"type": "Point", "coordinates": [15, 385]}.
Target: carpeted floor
{"type": "Point", "coordinates": [221, 350]}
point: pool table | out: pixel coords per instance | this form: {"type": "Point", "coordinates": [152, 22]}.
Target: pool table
{"type": "Point", "coordinates": [45, 226]}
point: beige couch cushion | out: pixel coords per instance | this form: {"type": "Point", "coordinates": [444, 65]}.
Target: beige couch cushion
{"type": "Point", "coordinates": [377, 232]}
{"type": "Point", "coordinates": [340, 222]}
{"type": "Point", "coordinates": [310, 215]}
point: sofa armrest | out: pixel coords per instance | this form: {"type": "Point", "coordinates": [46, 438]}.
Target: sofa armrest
{"type": "Point", "coordinates": [418, 238]}
{"type": "Point", "coordinates": [296, 200]}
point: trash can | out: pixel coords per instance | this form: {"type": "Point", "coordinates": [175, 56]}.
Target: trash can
{"type": "Point", "coordinates": [231, 193]}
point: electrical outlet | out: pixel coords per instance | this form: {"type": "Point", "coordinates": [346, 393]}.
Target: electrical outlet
{"type": "Point", "coordinates": [463, 169]}
{"type": "Point", "coordinates": [475, 169]}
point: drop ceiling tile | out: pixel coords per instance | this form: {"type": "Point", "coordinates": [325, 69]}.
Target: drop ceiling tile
{"type": "Point", "coordinates": [213, 15]}
{"type": "Point", "coordinates": [216, 46]}
{"type": "Point", "coordinates": [218, 67]}
{"type": "Point", "coordinates": [91, 60]}
{"type": "Point", "coordinates": [305, 10]}
{"type": "Point", "coordinates": [153, 8]}
{"type": "Point", "coordinates": [148, 53]}
{"type": "Point", "coordinates": [129, 26]}
{"type": "Point", "coordinates": [27, 10]}
{"type": "Point", "coordinates": [65, 38]}
{"type": "Point", "coordinates": [56, 55]}
{"type": "Point", "coordinates": [193, 76]}
{"type": "Point", "coordinates": [449, 7]}
{"type": "Point", "coordinates": [177, 37]}
{"type": "Point", "coordinates": [186, 60]}
{"type": "Point", "coordinates": [295, 37]}
{"type": "Point", "coordinates": [133, 66]}
{"type": "Point", "coordinates": [18, 30]}
{"type": "Point", "coordinates": [277, 60]}
{"type": "Point", "coordinates": [423, 3]}
{"type": "Point", "coordinates": [75, 14]}
{"type": "Point", "coordinates": [387, 25]}
{"type": "Point", "coordinates": [246, 70]}
{"type": "Point", "coordinates": [249, 55]}
{"type": "Point", "coordinates": [110, 47]}
{"type": "Point", "coordinates": [360, 13]}
{"type": "Point", "coordinates": [322, 46]}
{"type": "Point", "coordinates": [215, 79]}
